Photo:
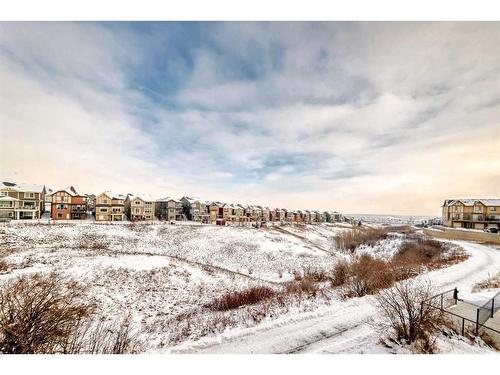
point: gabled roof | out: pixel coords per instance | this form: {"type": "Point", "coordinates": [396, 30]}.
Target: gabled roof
{"type": "Point", "coordinates": [142, 197]}
{"type": "Point", "coordinates": [113, 195]}
{"type": "Point", "coordinates": [471, 202]}
{"type": "Point", "coordinates": [71, 191]}
{"type": "Point", "coordinates": [191, 200]}
{"type": "Point", "coordinates": [23, 187]}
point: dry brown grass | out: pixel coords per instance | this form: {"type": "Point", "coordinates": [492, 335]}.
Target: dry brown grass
{"type": "Point", "coordinates": [246, 297]}
{"type": "Point", "coordinates": [4, 266]}
{"type": "Point", "coordinates": [490, 283]}
{"type": "Point", "coordinates": [348, 241]}
{"type": "Point", "coordinates": [422, 251]}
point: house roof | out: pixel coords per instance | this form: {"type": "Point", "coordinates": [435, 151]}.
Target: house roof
{"type": "Point", "coordinates": [22, 187]}
{"type": "Point", "coordinates": [143, 197]}
{"type": "Point", "coordinates": [114, 195]}
{"type": "Point", "coordinates": [71, 191]}
{"type": "Point", "coordinates": [472, 201]}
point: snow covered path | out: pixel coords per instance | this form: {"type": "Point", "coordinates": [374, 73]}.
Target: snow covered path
{"type": "Point", "coordinates": [345, 326]}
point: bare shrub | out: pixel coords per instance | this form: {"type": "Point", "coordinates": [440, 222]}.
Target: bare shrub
{"type": "Point", "coordinates": [340, 273]}
{"type": "Point", "coordinates": [420, 251]}
{"type": "Point", "coordinates": [246, 297]}
{"type": "Point", "coordinates": [4, 266]}
{"type": "Point", "coordinates": [305, 285]}
{"type": "Point", "coordinates": [410, 320]}
{"type": "Point", "coordinates": [348, 241]}
{"type": "Point", "coordinates": [315, 274]}
{"type": "Point", "coordinates": [47, 314]}
{"type": "Point", "coordinates": [367, 275]}
{"type": "Point", "coordinates": [39, 313]}
{"type": "Point", "coordinates": [490, 283]}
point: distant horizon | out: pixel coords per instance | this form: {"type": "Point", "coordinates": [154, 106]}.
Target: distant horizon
{"type": "Point", "coordinates": [347, 116]}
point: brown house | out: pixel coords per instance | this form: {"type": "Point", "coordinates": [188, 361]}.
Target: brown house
{"type": "Point", "coordinates": [68, 204]}
{"type": "Point", "coordinates": [471, 213]}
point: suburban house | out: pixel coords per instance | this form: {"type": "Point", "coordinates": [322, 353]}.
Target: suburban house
{"type": "Point", "coordinates": [169, 209]}
{"type": "Point", "coordinates": [110, 207]}
{"type": "Point", "coordinates": [140, 207]}
{"type": "Point", "coordinates": [195, 209]}
{"type": "Point", "coordinates": [213, 211]}
{"type": "Point", "coordinates": [21, 201]}
{"type": "Point", "coordinates": [238, 213]}
{"type": "Point", "coordinates": [471, 213]}
{"type": "Point", "coordinates": [68, 204]}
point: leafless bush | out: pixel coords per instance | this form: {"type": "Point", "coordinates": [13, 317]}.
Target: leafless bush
{"type": "Point", "coordinates": [490, 283]}
{"type": "Point", "coordinates": [47, 314]}
{"type": "Point", "coordinates": [422, 251]}
{"type": "Point", "coordinates": [313, 274]}
{"type": "Point", "coordinates": [246, 297]}
{"type": "Point", "coordinates": [4, 266]}
{"type": "Point", "coordinates": [340, 273]}
{"type": "Point", "coordinates": [411, 321]}
{"type": "Point", "coordinates": [39, 313]}
{"type": "Point", "coordinates": [348, 241]}
{"type": "Point", "coordinates": [305, 285]}
{"type": "Point", "coordinates": [367, 275]}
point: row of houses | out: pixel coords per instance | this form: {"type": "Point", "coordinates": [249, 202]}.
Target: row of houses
{"type": "Point", "coordinates": [23, 201]}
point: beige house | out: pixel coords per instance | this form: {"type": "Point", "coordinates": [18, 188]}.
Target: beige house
{"type": "Point", "coordinates": [471, 213]}
{"type": "Point", "coordinates": [110, 207]}
{"type": "Point", "coordinates": [140, 207]}
{"type": "Point", "coordinates": [21, 201]}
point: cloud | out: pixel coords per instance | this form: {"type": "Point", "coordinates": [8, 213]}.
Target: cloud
{"type": "Point", "coordinates": [359, 117]}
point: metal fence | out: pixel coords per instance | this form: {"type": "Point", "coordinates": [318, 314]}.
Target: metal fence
{"type": "Point", "coordinates": [443, 301]}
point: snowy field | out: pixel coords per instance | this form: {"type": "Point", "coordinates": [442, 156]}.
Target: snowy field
{"type": "Point", "coordinates": [166, 275]}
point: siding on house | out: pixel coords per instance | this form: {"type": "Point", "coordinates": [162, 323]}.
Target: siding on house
{"type": "Point", "coordinates": [471, 213]}
{"type": "Point", "coordinates": [28, 201]}
{"type": "Point", "coordinates": [68, 204]}
{"type": "Point", "coordinates": [140, 207]}
{"type": "Point", "coordinates": [110, 206]}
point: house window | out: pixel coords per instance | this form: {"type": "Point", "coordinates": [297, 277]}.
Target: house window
{"type": "Point", "coordinates": [137, 211]}
{"type": "Point", "coordinates": [477, 208]}
{"type": "Point", "coordinates": [493, 208]}
{"type": "Point", "coordinates": [29, 195]}
{"type": "Point", "coordinates": [105, 201]}
{"type": "Point", "coordinates": [3, 193]}
{"type": "Point", "coordinates": [103, 209]}
{"type": "Point", "coordinates": [59, 215]}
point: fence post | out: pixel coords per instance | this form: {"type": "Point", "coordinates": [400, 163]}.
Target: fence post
{"type": "Point", "coordinates": [477, 321]}
{"type": "Point", "coordinates": [463, 326]}
{"type": "Point", "coordinates": [492, 307]}
{"type": "Point", "coordinates": [441, 301]}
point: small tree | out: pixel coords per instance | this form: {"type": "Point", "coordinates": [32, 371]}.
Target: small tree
{"type": "Point", "coordinates": [407, 316]}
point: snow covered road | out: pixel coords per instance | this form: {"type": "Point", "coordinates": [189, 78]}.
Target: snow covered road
{"type": "Point", "coordinates": [345, 326]}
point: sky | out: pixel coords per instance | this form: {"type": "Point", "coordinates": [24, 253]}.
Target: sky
{"type": "Point", "coordinates": [374, 117]}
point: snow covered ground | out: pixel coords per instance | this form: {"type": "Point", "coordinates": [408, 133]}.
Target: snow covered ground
{"type": "Point", "coordinates": [165, 275]}
{"type": "Point", "coordinates": [352, 326]}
